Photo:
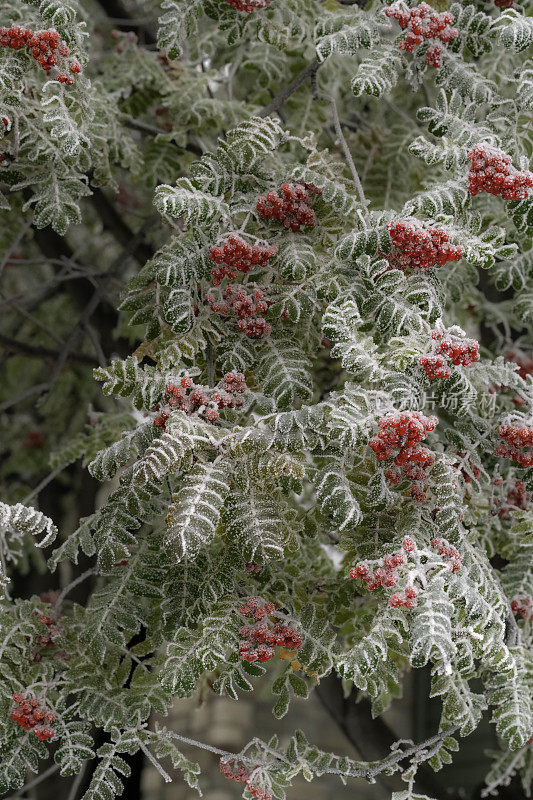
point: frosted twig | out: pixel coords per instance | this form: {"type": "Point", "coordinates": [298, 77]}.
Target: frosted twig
{"type": "Point", "coordinates": [76, 784]}
{"type": "Point", "coordinates": [166, 777]}
{"type": "Point", "coordinates": [504, 778]}
{"type": "Point", "coordinates": [73, 584]}
{"type": "Point", "coordinates": [45, 481]}
{"type": "Point", "coordinates": [302, 76]}
{"type": "Point", "coordinates": [344, 146]}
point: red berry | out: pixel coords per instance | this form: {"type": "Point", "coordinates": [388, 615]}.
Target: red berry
{"type": "Point", "coordinates": [491, 171]}
{"type": "Point", "coordinates": [419, 247]}
{"type": "Point", "coordinates": [423, 23]}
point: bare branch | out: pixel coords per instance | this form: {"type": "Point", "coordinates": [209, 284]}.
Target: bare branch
{"type": "Point", "coordinates": [37, 351]}
{"type": "Point", "coordinates": [302, 76]}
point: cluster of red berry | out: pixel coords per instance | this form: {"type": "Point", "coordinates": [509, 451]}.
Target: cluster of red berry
{"type": "Point", "coordinates": [407, 598]}
{"type": "Point", "coordinates": [47, 639]}
{"type": "Point", "coordinates": [33, 439]}
{"type": "Point", "coordinates": [249, 5]}
{"type": "Point", "coordinates": [291, 206]}
{"type": "Point", "coordinates": [449, 350]}
{"type": "Point", "coordinates": [517, 497]}
{"type": "Point", "coordinates": [32, 717]}
{"type": "Point", "coordinates": [189, 397]}
{"type": "Point", "coordinates": [461, 352]}
{"type": "Point", "coordinates": [435, 367]}
{"type": "Point", "coordinates": [402, 432]}
{"type": "Point", "coordinates": [386, 574]}
{"type": "Point", "coordinates": [448, 552]}
{"type": "Point", "coordinates": [491, 171]}
{"type": "Point", "coordinates": [248, 307]}
{"type": "Point", "coordinates": [525, 363]}
{"type": "Point", "coordinates": [261, 638]}
{"type": "Point", "coordinates": [518, 444]}
{"type": "Point", "coordinates": [475, 471]}
{"type": "Point", "coordinates": [237, 255]}
{"type": "Point", "coordinates": [418, 247]}
{"type": "Point", "coordinates": [252, 568]}
{"type": "Point", "coordinates": [124, 37]}
{"type": "Point", "coordinates": [504, 3]}
{"type": "Point", "coordinates": [522, 607]}
{"type": "Point", "coordinates": [423, 23]}
{"type": "Point", "coordinates": [46, 48]}
{"type": "Point", "coordinates": [241, 775]}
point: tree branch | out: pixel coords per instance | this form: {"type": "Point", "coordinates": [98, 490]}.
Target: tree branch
{"type": "Point", "coordinates": [369, 736]}
{"type": "Point", "coordinates": [120, 230]}
{"type": "Point", "coordinates": [302, 76]}
{"type": "Point", "coordinates": [37, 351]}
{"type": "Point", "coordinates": [344, 146]}
{"type": "Point", "coordinates": [115, 269]}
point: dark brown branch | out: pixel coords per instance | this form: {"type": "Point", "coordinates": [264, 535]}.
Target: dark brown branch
{"type": "Point", "coordinates": [152, 130]}
{"type": "Point", "coordinates": [36, 351]}
{"type": "Point", "coordinates": [302, 76]}
{"type": "Point", "coordinates": [116, 225]}
{"type": "Point", "coordinates": [370, 737]}
{"type": "Point", "coordinates": [115, 269]}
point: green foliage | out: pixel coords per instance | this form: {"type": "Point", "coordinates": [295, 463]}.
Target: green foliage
{"type": "Point", "coordinates": [272, 492]}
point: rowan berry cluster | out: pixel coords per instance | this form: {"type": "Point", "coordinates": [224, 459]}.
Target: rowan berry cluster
{"type": "Point", "coordinates": [290, 206]}
{"type": "Point", "coordinates": [249, 5]}
{"type": "Point", "coordinates": [46, 47]}
{"type": "Point", "coordinates": [252, 568]}
{"type": "Point", "coordinates": [460, 352]}
{"type": "Point", "coordinates": [448, 552]}
{"type": "Point", "coordinates": [190, 397]}
{"type": "Point", "coordinates": [517, 497]}
{"type": "Point", "coordinates": [522, 607]}
{"type": "Point", "coordinates": [402, 432]}
{"type": "Point", "coordinates": [491, 171]}
{"type": "Point", "coordinates": [435, 367]}
{"type": "Point", "coordinates": [260, 639]}
{"type": "Point", "coordinates": [525, 363]}
{"type": "Point", "coordinates": [504, 3]}
{"type": "Point", "coordinates": [241, 775]}
{"type": "Point", "coordinates": [124, 38]}
{"type": "Point", "coordinates": [32, 717]}
{"type": "Point", "coordinates": [423, 23]}
{"type": "Point", "coordinates": [517, 444]}
{"type": "Point", "coordinates": [386, 575]}
{"type": "Point", "coordinates": [53, 631]}
{"type": "Point", "coordinates": [247, 307]}
{"type": "Point", "coordinates": [475, 471]}
{"type": "Point", "coordinates": [237, 255]}
{"type": "Point", "coordinates": [418, 247]}
{"type": "Point", "coordinates": [450, 349]}
{"type": "Point", "coordinates": [33, 439]}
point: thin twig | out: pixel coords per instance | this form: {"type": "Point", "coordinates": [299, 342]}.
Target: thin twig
{"type": "Point", "coordinates": [302, 76]}
{"type": "Point", "coordinates": [115, 268]}
{"type": "Point", "coordinates": [39, 387]}
{"type": "Point", "coordinates": [344, 146]}
{"type": "Point", "coordinates": [76, 783]}
{"type": "Point", "coordinates": [3, 565]}
{"type": "Point", "coordinates": [73, 584]}
{"type": "Point", "coordinates": [35, 782]}
{"type": "Point", "coordinates": [45, 481]}
{"type": "Point", "coordinates": [38, 351]}
{"type": "Point", "coordinates": [16, 241]}
{"type": "Point", "coordinates": [31, 318]}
